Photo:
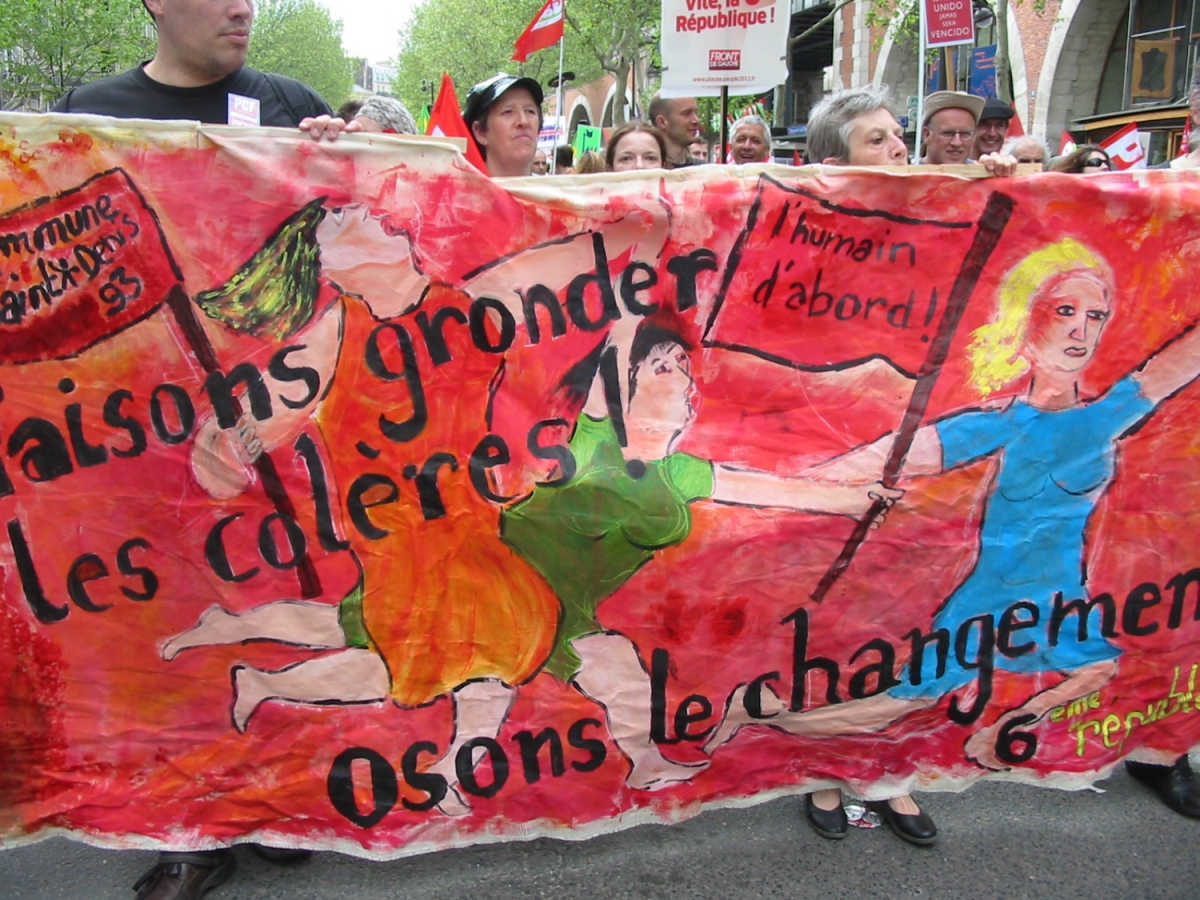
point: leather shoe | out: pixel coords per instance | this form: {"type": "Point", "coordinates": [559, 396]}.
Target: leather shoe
{"type": "Point", "coordinates": [1176, 786]}
{"type": "Point", "coordinates": [185, 876]}
{"type": "Point", "coordinates": [828, 823]}
{"type": "Point", "coordinates": [916, 829]}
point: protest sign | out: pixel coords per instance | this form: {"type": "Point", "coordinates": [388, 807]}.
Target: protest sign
{"type": "Point", "coordinates": [561, 465]}
{"type": "Point", "coordinates": [707, 44]}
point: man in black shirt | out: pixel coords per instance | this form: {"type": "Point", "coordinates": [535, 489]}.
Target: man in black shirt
{"type": "Point", "coordinates": [198, 72]}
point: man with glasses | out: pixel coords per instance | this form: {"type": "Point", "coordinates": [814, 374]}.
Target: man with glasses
{"type": "Point", "coordinates": [949, 127]}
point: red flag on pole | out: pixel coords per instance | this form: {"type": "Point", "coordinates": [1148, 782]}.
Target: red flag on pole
{"type": "Point", "coordinates": [545, 30]}
{"type": "Point", "coordinates": [1125, 148]}
{"type": "Point", "coordinates": [446, 120]}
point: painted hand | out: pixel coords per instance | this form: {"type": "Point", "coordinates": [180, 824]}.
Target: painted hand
{"type": "Point", "coordinates": [222, 457]}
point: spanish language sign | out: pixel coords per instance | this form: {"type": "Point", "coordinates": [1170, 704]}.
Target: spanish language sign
{"type": "Point", "coordinates": [948, 22]}
{"type": "Point", "coordinates": [351, 500]}
{"type": "Point", "coordinates": [709, 43]}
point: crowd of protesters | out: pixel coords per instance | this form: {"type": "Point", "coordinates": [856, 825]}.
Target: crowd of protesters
{"type": "Point", "coordinates": [199, 64]}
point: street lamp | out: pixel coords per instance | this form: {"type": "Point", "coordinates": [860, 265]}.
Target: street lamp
{"type": "Point", "coordinates": [427, 85]}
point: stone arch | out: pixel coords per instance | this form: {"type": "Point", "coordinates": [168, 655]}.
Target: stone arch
{"type": "Point", "coordinates": [1075, 54]}
{"type": "Point", "coordinates": [580, 115]}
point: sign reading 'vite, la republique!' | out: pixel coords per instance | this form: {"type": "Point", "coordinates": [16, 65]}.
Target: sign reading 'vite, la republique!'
{"type": "Point", "coordinates": [710, 43]}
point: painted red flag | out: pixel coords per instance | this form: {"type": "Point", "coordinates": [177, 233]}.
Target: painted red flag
{"type": "Point", "coordinates": [78, 267]}
{"type": "Point", "coordinates": [446, 120]}
{"type": "Point", "coordinates": [818, 286]}
{"type": "Point", "coordinates": [544, 31]}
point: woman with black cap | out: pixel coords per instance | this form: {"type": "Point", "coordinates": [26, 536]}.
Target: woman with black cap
{"type": "Point", "coordinates": [504, 114]}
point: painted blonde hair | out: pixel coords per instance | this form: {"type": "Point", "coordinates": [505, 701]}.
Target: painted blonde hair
{"type": "Point", "coordinates": [995, 349]}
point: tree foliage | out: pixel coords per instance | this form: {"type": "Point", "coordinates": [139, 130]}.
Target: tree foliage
{"type": "Point", "coordinates": [451, 36]}
{"type": "Point", "coordinates": [51, 46]}
{"type": "Point", "coordinates": [901, 19]}
{"type": "Point", "coordinates": [300, 39]}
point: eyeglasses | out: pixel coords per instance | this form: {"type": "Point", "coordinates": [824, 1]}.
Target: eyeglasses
{"type": "Point", "coordinates": [948, 136]}
{"type": "Point", "coordinates": [1096, 162]}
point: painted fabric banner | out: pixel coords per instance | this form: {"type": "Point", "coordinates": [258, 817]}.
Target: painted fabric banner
{"type": "Point", "coordinates": [351, 500]}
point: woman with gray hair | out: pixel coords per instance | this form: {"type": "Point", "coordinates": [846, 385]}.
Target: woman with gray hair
{"type": "Point", "coordinates": [856, 127]}
{"type": "Point", "coordinates": [387, 115]}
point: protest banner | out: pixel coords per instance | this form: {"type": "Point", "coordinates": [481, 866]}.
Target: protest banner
{"type": "Point", "coordinates": [710, 44]}
{"type": "Point", "coordinates": [566, 462]}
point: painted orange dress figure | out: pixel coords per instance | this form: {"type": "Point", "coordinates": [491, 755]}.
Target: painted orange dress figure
{"type": "Point", "coordinates": [576, 543]}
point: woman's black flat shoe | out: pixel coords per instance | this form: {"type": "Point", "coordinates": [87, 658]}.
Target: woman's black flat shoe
{"type": "Point", "coordinates": [828, 823]}
{"type": "Point", "coordinates": [918, 829]}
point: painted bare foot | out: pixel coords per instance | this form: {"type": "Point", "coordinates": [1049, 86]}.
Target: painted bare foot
{"type": "Point", "coordinates": [453, 804]}
{"type": "Point", "coordinates": [655, 772]}
{"type": "Point", "coordinates": [206, 631]}
{"type": "Point", "coordinates": [737, 717]}
{"type": "Point", "coordinates": [249, 693]}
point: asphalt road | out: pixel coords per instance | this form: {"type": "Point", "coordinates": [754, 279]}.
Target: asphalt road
{"type": "Point", "coordinates": [998, 841]}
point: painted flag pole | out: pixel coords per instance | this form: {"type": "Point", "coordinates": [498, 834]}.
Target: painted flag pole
{"type": "Point", "coordinates": [991, 225]}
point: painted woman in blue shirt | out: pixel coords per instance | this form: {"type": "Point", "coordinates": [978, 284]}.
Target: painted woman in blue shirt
{"type": "Point", "coordinates": [1055, 456]}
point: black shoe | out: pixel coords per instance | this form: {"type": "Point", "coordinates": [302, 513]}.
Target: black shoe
{"type": "Point", "coordinates": [283, 855]}
{"type": "Point", "coordinates": [918, 829]}
{"type": "Point", "coordinates": [1176, 786]}
{"type": "Point", "coordinates": [828, 823]}
{"type": "Point", "coordinates": [185, 876]}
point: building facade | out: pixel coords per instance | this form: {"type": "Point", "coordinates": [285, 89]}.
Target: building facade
{"type": "Point", "coordinates": [1088, 67]}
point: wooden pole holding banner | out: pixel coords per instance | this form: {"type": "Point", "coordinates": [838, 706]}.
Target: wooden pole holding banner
{"type": "Point", "coordinates": [185, 317]}
{"type": "Point", "coordinates": [991, 225]}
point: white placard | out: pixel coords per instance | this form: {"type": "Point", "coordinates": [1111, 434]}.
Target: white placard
{"type": "Point", "coordinates": [710, 43]}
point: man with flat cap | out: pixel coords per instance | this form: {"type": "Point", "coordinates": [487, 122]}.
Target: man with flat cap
{"type": "Point", "coordinates": [992, 129]}
{"type": "Point", "coordinates": [504, 114]}
{"type": "Point", "coordinates": [949, 127]}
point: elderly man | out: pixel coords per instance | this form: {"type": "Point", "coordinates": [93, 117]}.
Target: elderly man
{"type": "Point", "coordinates": [1026, 150]}
{"type": "Point", "coordinates": [750, 140]}
{"type": "Point", "coordinates": [679, 121]}
{"type": "Point", "coordinates": [949, 127]}
{"type": "Point", "coordinates": [541, 165]}
{"type": "Point", "coordinates": [992, 129]}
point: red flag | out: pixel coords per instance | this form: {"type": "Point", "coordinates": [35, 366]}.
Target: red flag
{"type": "Point", "coordinates": [1066, 144]}
{"type": "Point", "coordinates": [446, 120]}
{"type": "Point", "coordinates": [78, 267]}
{"type": "Point", "coordinates": [1125, 148]}
{"type": "Point", "coordinates": [1015, 128]}
{"type": "Point", "coordinates": [545, 30]}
